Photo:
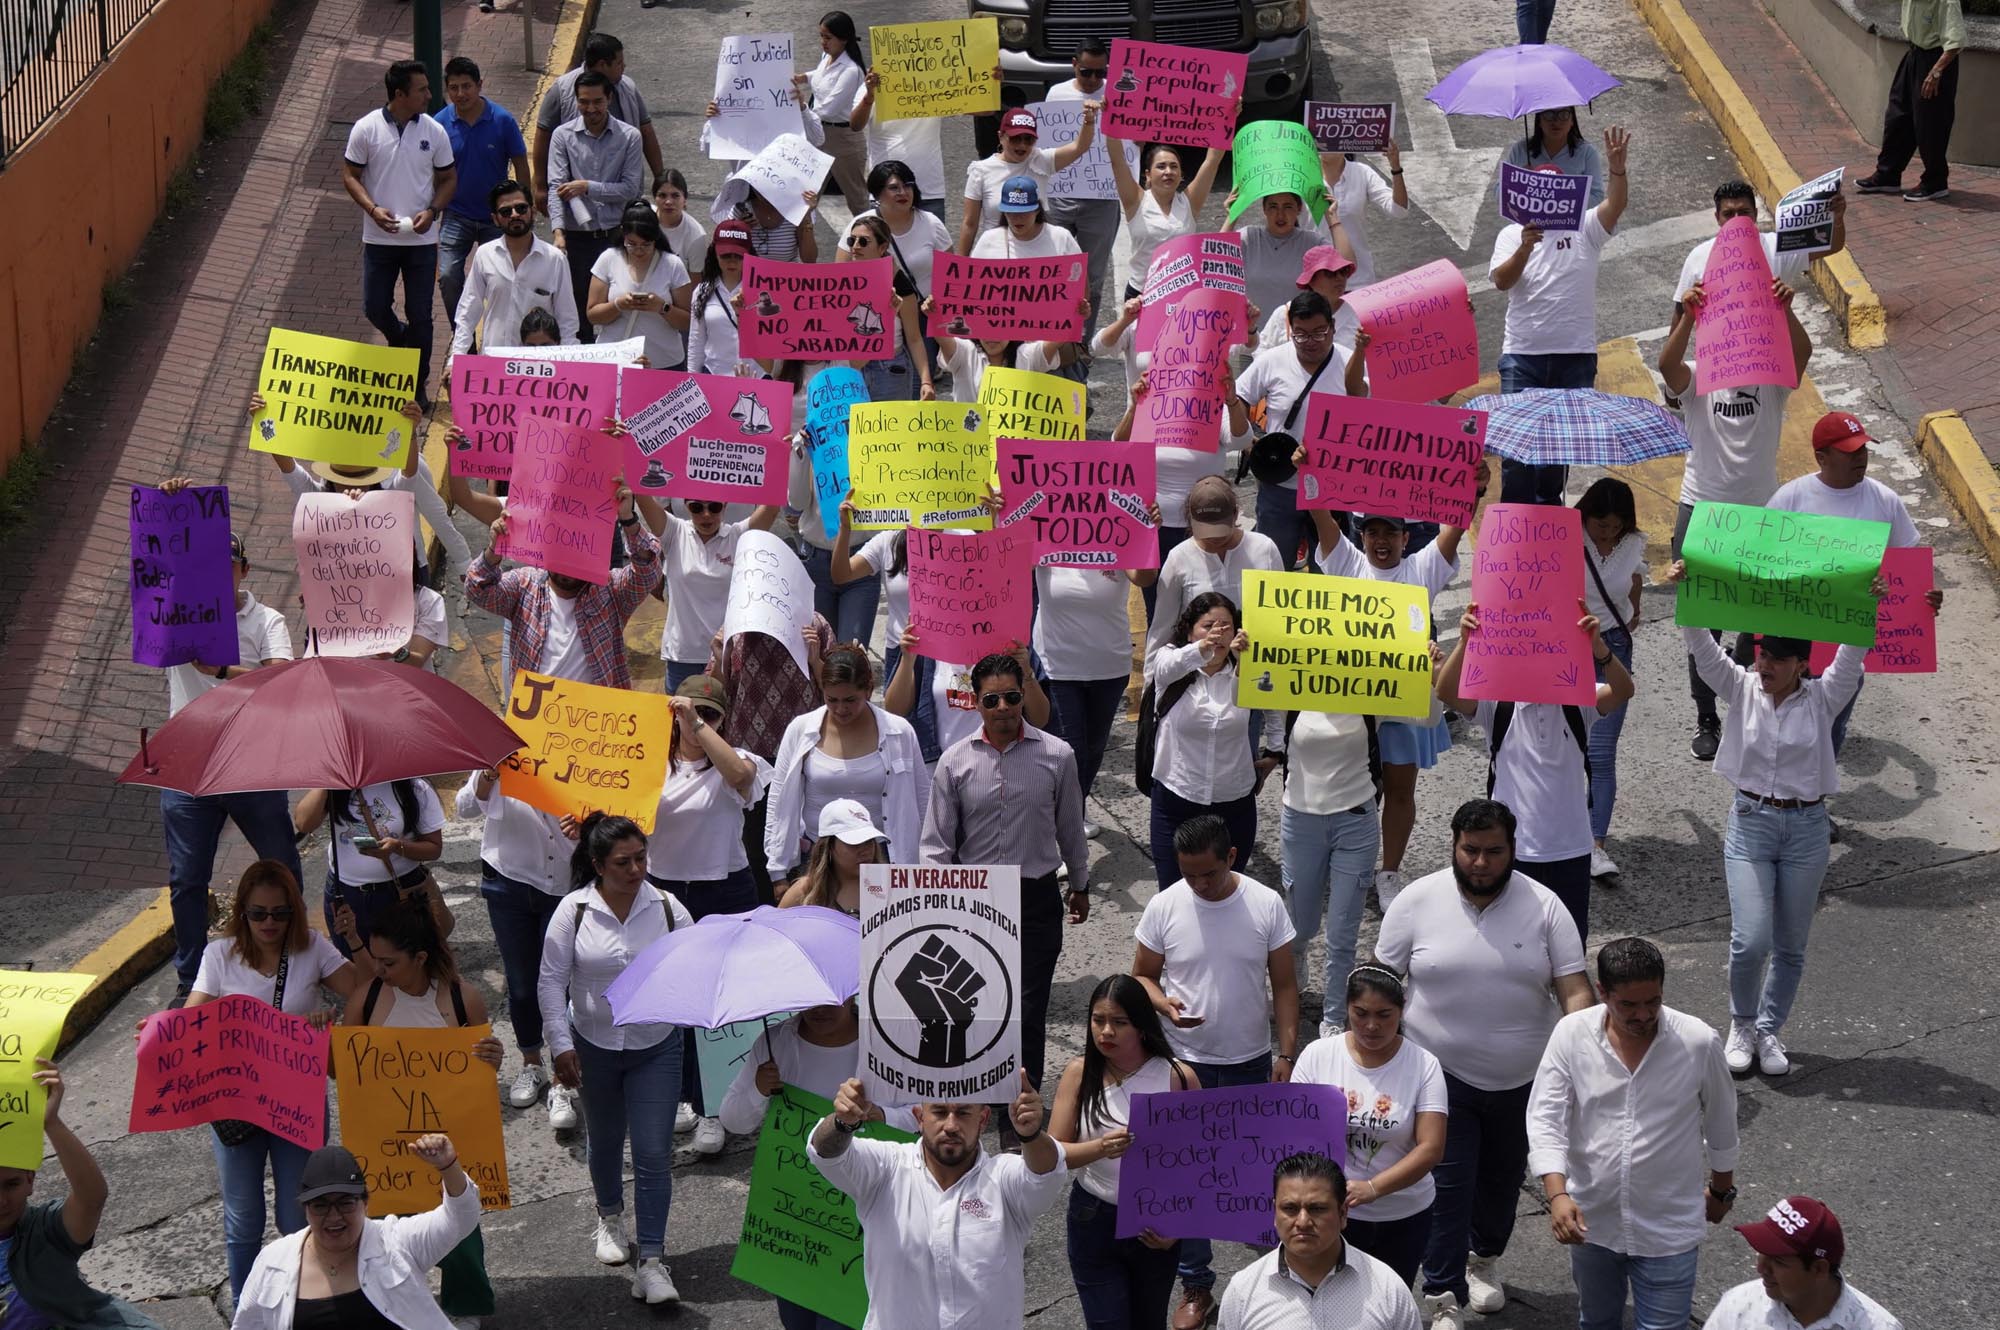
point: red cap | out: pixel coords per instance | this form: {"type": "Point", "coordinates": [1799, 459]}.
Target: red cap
{"type": "Point", "coordinates": [1020, 120]}
{"type": "Point", "coordinates": [731, 237]}
{"type": "Point", "coordinates": [1840, 431]}
{"type": "Point", "coordinates": [1797, 1226]}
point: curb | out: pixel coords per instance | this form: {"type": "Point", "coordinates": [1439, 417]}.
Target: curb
{"type": "Point", "coordinates": [1955, 458]}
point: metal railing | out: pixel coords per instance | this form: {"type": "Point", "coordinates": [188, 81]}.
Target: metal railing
{"type": "Point", "coordinates": [48, 50]}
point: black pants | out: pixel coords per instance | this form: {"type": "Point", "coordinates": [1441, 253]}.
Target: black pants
{"type": "Point", "coordinates": [1041, 943]}
{"type": "Point", "coordinates": [1569, 879]}
{"type": "Point", "coordinates": [582, 249]}
{"type": "Point", "coordinates": [1914, 124]}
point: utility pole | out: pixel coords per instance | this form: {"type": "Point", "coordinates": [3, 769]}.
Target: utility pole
{"type": "Point", "coordinates": [428, 15]}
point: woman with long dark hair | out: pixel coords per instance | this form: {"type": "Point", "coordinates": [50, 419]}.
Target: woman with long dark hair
{"type": "Point", "coordinates": [380, 844]}
{"type": "Point", "coordinates": [906, 375]}
{"type": "Point", "coordinates": [1160, 204]}
{"type": "Point", "coordinates": [836, 84]}
{"type": "Point", "coordinates": [1616, 549]}
{"type": "Point", "coordinates": [640, 289]}
{"type": "Point", "coordinates": [712, 318]}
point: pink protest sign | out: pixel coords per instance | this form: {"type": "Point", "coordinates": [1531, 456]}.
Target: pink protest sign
{"type": "Point", "coordinates": [1741, 338]}
{"type": "Point", "coordinates": [1183, 406]}
{"type": "Point", "coordinates": [818, 311]}
{"type": "Point", "coordinates": [562, 498]}
{"type": "Point", "coordinates": [970, 595]}
{"type": "Point", "coordinates": [1400, 459]}
{"type": "Point", "coordinates": [355, 556]}
{"type": "Point", "coordinates": [1425, 343]}
{"type": "Point", "coordinates": [1527, 580]}
{"type": "Point", "coordinates": [1173, 94]}
{"type": "Point", "coordinates": [1905, 623]}
{"type": "Point", "coordinates": [706, 436]}
{"type": "Point", "coordinates": [490, 393]}
{"type": "Point", "coordinates": [1211, 261]}
{"type": "Point", "coordinates": [1082, 505]}
{"type": "Point", "coordinates": [1011, 300]}
{"type": "Point", "coordinates": [236, 1058]}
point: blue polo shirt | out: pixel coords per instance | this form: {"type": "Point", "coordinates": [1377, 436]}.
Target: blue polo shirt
{"type": "Point", "coordinates": [483, 150]}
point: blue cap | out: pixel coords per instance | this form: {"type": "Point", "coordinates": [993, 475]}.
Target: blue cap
{"type": "Point", "coordinates": [1020, 194]}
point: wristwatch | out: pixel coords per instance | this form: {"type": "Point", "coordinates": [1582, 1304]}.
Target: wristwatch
{"type": "Point", "coordinates": [1726, 1196]}
{"type": "Point", "coordinates": [840, 1126]}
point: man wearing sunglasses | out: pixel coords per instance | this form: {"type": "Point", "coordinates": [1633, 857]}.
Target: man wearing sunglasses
{"type": "Point", "coordinates": [1094, 222]}
{"type": "Point", "coordinates": [510, 276]}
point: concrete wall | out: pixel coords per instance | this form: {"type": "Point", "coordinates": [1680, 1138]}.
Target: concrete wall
{"type": "Point", "coordinates": [126, 132]}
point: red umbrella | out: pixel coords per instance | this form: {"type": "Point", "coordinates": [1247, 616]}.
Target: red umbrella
{"type": "Point", "coordinates": [326, 723]}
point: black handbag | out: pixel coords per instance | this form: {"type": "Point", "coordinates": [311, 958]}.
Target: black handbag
{"type": "Point", "coordinates": [1150, 716]}
{"type": "Point", "coordinates": [234, 1131]}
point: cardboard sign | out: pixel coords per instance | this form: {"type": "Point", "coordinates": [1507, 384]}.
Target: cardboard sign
{"type": "Point", "coordinates": [783, 172]}
{"type": "Point", "coordinates": [1905, 623]}
{"type": "Point", "coordinates": [706, 436]}
{"type": "Point", "coordinates": [918, 464]}
{"type": "Point", "coordinates": [1008, 300]}
{"type": "Point", "coordinates": [819, 311]}
{"type": "Point", "coordinates": [970, 595]}
{"type": "Point", "coordinates": [726, 1050]}
{"type": "Point", "coordinates": [833, 392]}
{"type": "Point", "coordinates": [1741, 337]}
{"type": "Point", "coordinates": [1805, 215]}
{"type": "Point", "coordinates": [1351, 126]}
{"type": "Point", "coordinates": [1211, 261]}
{"type": "Point", "coordinates": [236, 1058]}
{"type": "Point", "coordinates": [1548, 199]}
{"type": "Point", "coordinates": [1082, 505]}
{"type": "Point", "coordinates": [1425, 342]}
{"type": "Point", "coordinates": [490, 393]}
{"type": "Point", "coordinates": [1399, 459]}
{"type": "Point", "coordinates": [936, 69]}
{"type": "Point", "coordinates": [1089, 176]}
{"type": "Point", "coordinates": [1185, 405]}
{"type": "Point", "coordinates": [355, 563]}
{"type": "Point", "coordinates": [1758, 570]}
{"type": "Point", "coordinates": [396, 1085]}
{"type": "Point", "coordinates": [33, 1007]}
{"type": "Point", "coordinates": [941, 980]}
{"type": "Point", "coordinates": [1276, 157]}
{"type": "Point", "coordinates": [753, 95]}
{"type": "Point", "coordinates": [1527, 580]}
{"type": "Point", "coordinates": [562, 501]}
{"type": "Point", "coordinates": [1345, 644]}
{"type": "Point", "coordinates": [332, 400]}
{"type": "Point", "coordinates": [586, 747]}
{"type": "Point", "coordinates": [183, 583]}
{"type": "Point", "coordinates": [1173, 94]}
{"type": "Point", "coordinates": [770, 592]}
{"type": "Point", "coordinates": [1021, 404]}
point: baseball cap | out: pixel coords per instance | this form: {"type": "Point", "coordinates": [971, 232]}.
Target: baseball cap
{"type": "Point", "coordinates": [1020, 194]}
{"type": "Point", "coordinates": [1794, 648]}
{"type": "Point", "coordinates": [731, 237]}
{"type": "Point", "coordinates": [1840, 431]}
{"type": "Point", "coordinates": [705, 691]}
{"type": "Point", "coordinates": [331, 1170]}
{"type": "Point", "coordinates": [1361, 521]}
{"type": "Point", "coordinates": [1323, 258]}
{"type": "Point", "coordinates": [1797, 1226]}
{"type": "Point", "coordinates": [1211, 513]}
{"type": "Point", "coordinates": [236, 549]}
{"type": "Point", "coordinates": [849, 821]}
{"type": "Point", "coordinates": [1020, 120]}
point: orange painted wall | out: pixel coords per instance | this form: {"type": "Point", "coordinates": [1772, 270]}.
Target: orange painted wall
{"type": "Point", "coordinates": [122, 136]}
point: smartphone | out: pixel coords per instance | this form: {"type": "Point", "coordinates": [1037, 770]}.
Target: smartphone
{"type": "Point", "coordinates": [367, 844]}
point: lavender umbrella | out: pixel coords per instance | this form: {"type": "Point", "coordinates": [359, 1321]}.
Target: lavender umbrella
{"type": "Point", "coordinates": [737, 967]}
{"type": "Point", "coordinates": [1512, 81]}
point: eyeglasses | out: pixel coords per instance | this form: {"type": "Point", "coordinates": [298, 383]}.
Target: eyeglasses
{"type": "Point", "coordinates": [322, 1206]}
{"type": "Point", "coordinates": [1092, 73]}
{"type": "Point", "coordinates": [1308, 338]}
{"type": "Point", "coordinates": [513, 209]}
{"type": "Point", "coordinates": [856, 242]}
{"type": "Point", "coordinates": [1010, 698]}
{"type": "Point", "coordinates": [257, 914]}
{"type": "Point", "coordinates": [696, 508]}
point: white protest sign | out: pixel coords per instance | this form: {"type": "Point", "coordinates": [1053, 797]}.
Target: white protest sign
{"type": "Point", "coordinates": [1089, 176]}
{"type": "Point", "coordinates": [355, 557]}
{"type": "Point", "coordinates": [770, 592]}
{"type": "Point", "coordinates": [626, 352]}
{"type": "Point", "coordinates": [787, 167]}
{"type": "Point", "coordinates": [1805, 216]}
{"type": "Point", "coordinates": [753, 95]}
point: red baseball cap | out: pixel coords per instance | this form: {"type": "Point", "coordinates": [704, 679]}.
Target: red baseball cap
{"type": "Point", "coordinates": [1840, 431]}
{"type": "Point", "coordinates": [1797, 1226]}
{"type": "Point", "coordinates": [732, 237]}
{"type": "Point", "coordinates": [1020, 120]}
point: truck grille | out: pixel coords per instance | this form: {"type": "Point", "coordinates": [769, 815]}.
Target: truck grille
{"type": "Point", "coordinates": [1179, 22]}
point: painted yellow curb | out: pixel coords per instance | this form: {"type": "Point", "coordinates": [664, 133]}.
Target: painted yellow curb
{"type": "Point", "coordinates": [1955, 456]}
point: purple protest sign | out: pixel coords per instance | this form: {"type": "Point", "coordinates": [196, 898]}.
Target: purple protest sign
{"type": "Point", "coordinates": [1200, 1162]}
{"type": "Point", "coordinates": [1741, 337]}
{"type": "Point", "coordinates": [1183, 406]}
{"type": "Point", "coordinates": [183, 597]}
{"type": "Point", "coordinates": [1527, 580]}
{"type": "Point", "coordinates": [1010, 300]}
{"type": "Point", "coordinates": [1548, 199]}
{"type": "Point", "coordinates": [1351, 126]}
{"type": "Point", "coordinates": [489, 394]}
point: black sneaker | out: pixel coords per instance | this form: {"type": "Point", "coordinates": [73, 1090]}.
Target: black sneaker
{"type": "Point", "coordinates": [1877, 183]}
{"type": "Point", "coordinates": [1707, 738]}
{"type": "Point", "coordinates": [1922, 194]}
{"type": "Point", "coordinates": [181, 994]}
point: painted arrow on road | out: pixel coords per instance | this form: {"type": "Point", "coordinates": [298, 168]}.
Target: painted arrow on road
{"type": "Point", "coordinates": [1448, 182]}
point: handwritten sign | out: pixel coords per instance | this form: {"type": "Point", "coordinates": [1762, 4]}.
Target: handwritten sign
{"type": "Point", "coordinates": [1905, 624]}
{"type": "Point", "coordinates": [918, 464]}
{"type": "Point", "coordinates": [725, 1050]}
{"type": "Point", "coordinates": [1346, 644]}
{"type": "Point", "coordinates": [355, 558]}
{"type": "Point", "coordinates": [833, 392]}
{"type": "Point", "coordinates": [970, 595]}
{"type": "Point", "coordinates": [1548, 199]}
{"type": "Point", "coordinates": [1184, 405]}
{"type": "Point", "coordinates": [1276, 157]}
{"type": "Point", "coordinates": [770, 592]}
{"type": "Point", "coordinates": [1527, 577]}
{"type": "Point", "coordinates": [1173, 94]}
{"type": "Point", "coordinates": [1758, 570]}
{"type": "Point", "coordinates": [562, 500]}
{"type": "Point", "coordinates": [1400, 459]}
{"type": "Point", "coordinates": [801, 1239]}
{"type": "Point", "coordinates": [936, 69]}
{"type": "Point", "coordinates": [1089, 176]}
{"type": "Point", "coordinates": [1740, 335]}
{"type": "Point", "coordinates": [183, 590]}
{"type": "Point", "coordinates": [1021, 404]}
{"type": "Point", "coordinates": [1007, 300]}
{"type": "Point", "coordinates": [706, 436]}
{"type": "Point", "coordinates": [1351, 126]}
{"type": "Point", "coordinates": [396, 1085]}
{"type": "Point", "coordinates": [33, 1007]}
{"type": "Point", "coordinates": [819, 311]}
{"type": "Point", "coordinates": [1425, 343]}
{"type": "Point", "coordinates": [1805, 215]}
{"type": "Point", "coordinates": [753, 95]}
{"type": "Point", "coordinates": [1082, 505]}
{"type": "Point", "coordinates": [1211, 261]}
{"type": "Point", "coordinates": [1201, 1160]}
{"type": "Point", "coordinates": [599, 352]}
{"type": "Point", "coordinates": [585, 747]}
{"type": "Point", "coordinates": [490, 393]}
{"type": "Point", "coordinates": [236, 1058]}
{"type": "Point", "coordinates": [333, 400]}
{"type": "Point", "coordinates": [787, 167]}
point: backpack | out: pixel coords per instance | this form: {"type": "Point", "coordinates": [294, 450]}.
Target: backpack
{"type": "Point", "coordinates": [1503, 716]}
{"type": "Point", "coordinates": [1151, 713]}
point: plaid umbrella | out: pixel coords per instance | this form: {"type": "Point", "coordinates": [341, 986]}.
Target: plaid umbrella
{"type": "Point", "coordinates": [1578, 427]}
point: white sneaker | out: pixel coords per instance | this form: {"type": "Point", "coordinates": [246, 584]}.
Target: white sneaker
{"type": "Point", "coordinates": [652, 1283]}
{"type": "Point", "coordinates": [1330, 1029]}
{"type": "Point", "coordinates": [1741, 1049]}
{"type": "Point", "coordinates": [684, 1119]}
{"type": "Point", "coordinates": [1602, 864]}
{"type": "Point", "coordinates": [709, 1137]}
{"type": "Point", "coordinates": [609, 1241]}
{"type": "Point", "coordinates": [1389, 884]}
{"type": "Point", "coordinates": [527, 1087]}
{"type": "Point", "coordinates": [1441, 1311]}
{"type": "Point", "coordinates": [1091, 829]}
{"type": "Point", "coordinates": [1485, 1292]}
{"type": "Point", "coordinates": [464, 1322]}
{"type": "Point", "coordinates": [562, 1108]}
{"type": "Point", "coordinates": [1771, 1059]}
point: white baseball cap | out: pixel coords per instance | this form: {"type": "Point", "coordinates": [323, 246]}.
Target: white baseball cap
{"type": "Point", "coordinates": [847, 819]}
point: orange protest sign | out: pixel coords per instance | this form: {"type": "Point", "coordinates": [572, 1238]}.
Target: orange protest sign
{"type": "Point", "coordinates": [586, 748]}
{"type": "Point", "coordinates": [397, 1085]}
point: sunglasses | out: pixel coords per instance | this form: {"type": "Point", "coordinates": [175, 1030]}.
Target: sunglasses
{"type": "Point", "coordinates": [1010, 698]}
{"type": "Point", "coordinates": [329, 1205]}
{"type": "Point", "coordinates": [1092, 73]}
{"type": "Point", "coordinates": [856, 242]}
{"type": "Point", "coordinates": [514, 209]}
{"type": "Point", "coordinates": [257, 914]}
{"type": "Point", "coordinates": [696, 508]}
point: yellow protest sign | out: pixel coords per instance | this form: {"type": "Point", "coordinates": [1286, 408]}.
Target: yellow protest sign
{"type": "Point", "coordinates": [1344, 644]}
{"type": "Point", "coordinates": [936, 69]}
{"type": "Point", "coordinates": [1021, 404]}
{"type": "Point", "coordinates": [332, 400]}
{"type": "Point", "coordinates": [397, 1085]}
{"type": "Point", "coordinates": [588, 748]}
{"type": "Point", "coordinates": [32, 1010]}
{"type": "Point", "coordinates": [918, 464]}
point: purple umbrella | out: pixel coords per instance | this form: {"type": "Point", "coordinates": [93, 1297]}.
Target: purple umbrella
{"type": "Point", "coordinates": [737, 967]}
{"type": "Point", "coordinates": [1513, 81]}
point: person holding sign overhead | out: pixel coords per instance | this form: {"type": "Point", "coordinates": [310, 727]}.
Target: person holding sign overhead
{"type": "Point", "coordinates": [914, 145]}
{"type": "Point", "coordinates": [1352, 187]}
{"type": "Point", "coordinates": [698, 555]}
{"type": "Point", "coordinates": [836, 84]}
{"type": "Point", "coordinates": [1164, 205]}
{"type": "Point", "coordinates": [1018, 157]}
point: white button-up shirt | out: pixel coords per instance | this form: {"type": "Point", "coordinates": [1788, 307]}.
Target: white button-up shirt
{"type": "Point", "coordinates": [584, 951]}
{"type": "Point", "coordinates": [1749, 1307]}
{"type": "Point", "coordinates": [1629, 1143]}
{"type": "Point", "coordinates": [1189, 570]}
{"type": "Point", "coordinates": [942, 1258]}
{"type": "Point", "coordinates": [261, 635]}
{"type": "Point", "coordinates": [1360, 1293]}
{"type": "Point", "coordinates": [1201, 750]}
{"type": "Point", "coordinates": [519, 842]}
{"type": "Point", "coordinates": [1783, 750]}
{"type": "Point", "coordinates": [499, 293]}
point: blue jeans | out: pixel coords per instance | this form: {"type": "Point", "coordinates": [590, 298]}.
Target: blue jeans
{"type": "Point", "coordinates": [1519, 481]}
{"type": "Point", "coordinates": [457, 238]}
{"type": "Point", "coordinates": [680, 671]}
{"type": "Point", "coordinates": [892, 380]}
{"type": "Point", "coordinates": [1478, 1180]}
{"type": "Point", "coordinates": [1278, 517]}
{"type": "Point", "coordinates": [1604, 732]}
{"type": "Point", "coordinates": [520, 917]}
{"type": "Point", "coordinates": [1082, 713]}
{"type": "Point", "coordinates": [241, 1171]}
{"type": "Point", "coordinates": [1196, 1253]}
{"type": "Point", "coordinates": [1170, 810]}
{"type": "Point", "coordinates": [416, 267]}
{"type": "Point", "coordinates": [1846, 713]}
{"type": "Point", "coordinates": [1532, 19]}
{"type": "Point", "coordinates": [1121, 1282]}
{"type": "Point", "coordinates": [1328, 861]}
{"type": "Point", "coordinates": [193, 824]}
{"type": "Point", "coordinates": [851, 608]}
{"type": "Point", "coordinates": [1170, 536]}
{"type": "Point", "coordinates": [1662, 1288]}
{"type": "Point", "coordinates": [1775, 860]}
{"type": "Point", "coordinates": [637, 1090]}
{"type": "Point", "coordinates": [791, 1316]}
{"type": "Point", "coordinates": [725, 895]}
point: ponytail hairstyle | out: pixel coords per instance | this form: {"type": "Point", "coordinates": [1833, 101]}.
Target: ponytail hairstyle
{"type": "Point", "coordinates": [848, 663]}
{"type": "Point", "coordinates": [1130, 995]}
{"type": "Point", "coordinates": [837, 22]}
{"type": "Point", "coordinates": [596, 838]}
{"type": "Point", "coordinates": [410, 929]}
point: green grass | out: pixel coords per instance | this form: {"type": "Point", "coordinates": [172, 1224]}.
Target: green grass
{"type": "Point", "coordinates": [239, 93]}
{"type": "Point", "coordinates": [18, 484]}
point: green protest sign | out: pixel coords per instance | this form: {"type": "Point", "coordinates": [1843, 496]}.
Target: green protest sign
{"type": "Point", "coordinates": [1276, 157]}
{"type": "Point", "coordinates": [801, 1240]}
{"type": "Point", "coordinates": [1758, 570]}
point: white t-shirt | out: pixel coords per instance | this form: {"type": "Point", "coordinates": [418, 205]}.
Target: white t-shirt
{"type": "Point", "coordinates": [1278, 379]}
{"type": "Point", "coordinates": [1869, 501]}
{"type": "Point", "coordinates": [563, 653]}
{"type": "Point", "coordinates": [224, 973]}
{"type": "Point", "coordinates": [698, 827]}
{"type": "Point", "coordinates": [351, 865]}
{"type": "Point", "coordinates": [984, 177]}
{"type": "Point", "coordinates": [1082, 631]}
{"type": "Point", "coordinates": [1788, 267]}
{"type": "Point", "coordinates": [999, 243]}
{"type": "Point", "coordinates": [1616, 569]}
{"type": "Point", "coordinates": [1732, 444]}
{"type": "Point", "coordinates": [261, 635]}
{"type": "Point", "coordinates": [880, 552]}
{"type": "Point", "coordinates": [917, 248]}
{"type": "Point", "coordinates": [664, 276]}
{"type": "Point", "coordinates": [398, 169]}
{"type": "Point", "coordinates": [1552, 309]}
{"type": "Point", "coordinates": [697, 573]}
{"type": "Point", "coordinates": [1427, 568]}
{"type": "Point", "coordinates": [1539, 774]}
{"type": "Point", "coordinates": [1327, 764]}
{"type": "Point", "coordinates": [954, 703]}
{"type": "Point", "coordinates": [966, 363]}
{"type": "Point", "coordinates": [916, 143]}
{"type": "Point", "coordinates": [688, 241]}
{"type": "Point", "coordinates": [433, 623]}
{"type": "Point", "coordinates": [1382, 1107]}
{"type": "Point", "coordinates": [1218, 963]}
